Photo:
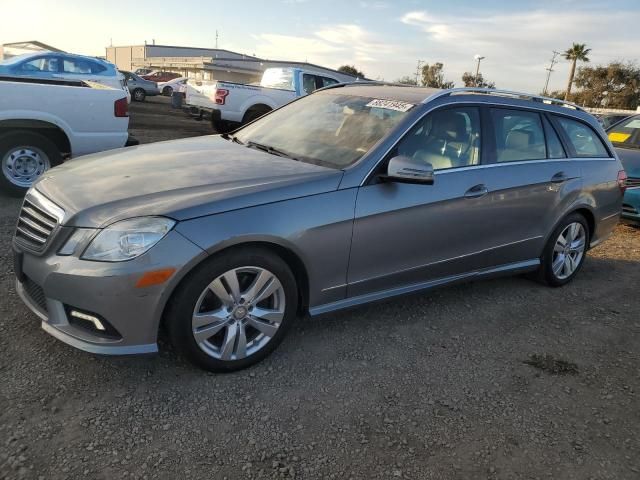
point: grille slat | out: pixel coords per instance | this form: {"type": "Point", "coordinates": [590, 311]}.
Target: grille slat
{"type": "Point", "coordinates": [629, 209]}
{"type": "Point", "coordinates": [38, 220]}
{"type": "Point", "coordinates": [51, 222]}
{"type": "Point", "coordinates": [633, 182]}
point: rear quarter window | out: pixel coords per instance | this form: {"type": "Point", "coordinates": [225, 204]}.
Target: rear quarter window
{"type": "Point", "coordinates": [584, 140]}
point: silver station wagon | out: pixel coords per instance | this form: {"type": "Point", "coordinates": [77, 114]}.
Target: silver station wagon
{"type": "Point", "coordinates": [354, 194]}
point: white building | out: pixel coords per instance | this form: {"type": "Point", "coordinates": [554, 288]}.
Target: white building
{"type": "Point", "coordinates": [203, 63]}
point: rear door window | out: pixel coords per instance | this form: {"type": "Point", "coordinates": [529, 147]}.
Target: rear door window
{"type": "Point", "coordinates": [584, 140]}
{"type": "Point", "coordinates": [309, 83]}
{"type": "Point", "coordinates": [41, 64]}
{"type": "Point", "coordinates": [554, 145]}
{"type": "Point", "coordinates": [519, 135]}
{"type": "Point", "coordinates": [82, 66]}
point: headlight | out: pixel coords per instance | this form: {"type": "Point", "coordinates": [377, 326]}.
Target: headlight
{"type": "Point", "coordinates": [127, 239]}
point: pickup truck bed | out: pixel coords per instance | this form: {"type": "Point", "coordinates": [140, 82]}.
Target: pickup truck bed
{"type": "Point", "coordinates": [61, 118]}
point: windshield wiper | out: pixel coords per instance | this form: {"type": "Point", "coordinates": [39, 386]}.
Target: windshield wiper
{"type": "Point", "coordinates": [271, 150]}
{"type": "Point", "coordinates": [233, 138]}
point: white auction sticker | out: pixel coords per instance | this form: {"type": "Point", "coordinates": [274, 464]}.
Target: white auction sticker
{"type": "Point", "coordinates": [391, 105]}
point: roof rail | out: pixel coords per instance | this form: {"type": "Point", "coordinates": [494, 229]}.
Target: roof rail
{"type": "Point", "coordinates": [502, 93]}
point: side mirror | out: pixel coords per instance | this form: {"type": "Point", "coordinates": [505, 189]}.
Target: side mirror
{"type": "Point", "coordinates": [407, 170]}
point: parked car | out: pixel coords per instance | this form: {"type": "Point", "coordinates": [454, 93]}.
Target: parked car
{"type": "Point", "coordinates": [609, 119]}
{"type": "Point", "coordinates": [347, 196]}
{"type": "Point", "coordinates": [625, 137]}
{"type": "Point", "coordinates": [161, 76]}
{"type": "Point", "coordinates": [234, 104]}
{"type": "Point", "coordinates": [178, 84]}
{"type": "Point", "coordinates": [45, 121]}
{"type": "Point", "coordinates": [63, 66]}
{"type": "Point", "coordinates": [143, 71]}
{"type": "Point", "coordinates": [139, 87]}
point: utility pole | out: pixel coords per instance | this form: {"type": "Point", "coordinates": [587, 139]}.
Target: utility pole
{"type": "Point", "coordinates": [216, 38]}
{"type": "Point", "coordinates": [475, 79]}
{"type": "Point", "coordinates": [549, 70]}
{"type": "Point", "coordinates": [420, 63]}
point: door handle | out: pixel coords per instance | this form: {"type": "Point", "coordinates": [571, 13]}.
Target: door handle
{"type": "Point", "coordinates": [477, 191]}
{"type": "Point", "coordinates": [559, 177]}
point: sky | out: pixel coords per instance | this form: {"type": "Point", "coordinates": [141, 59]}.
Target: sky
{"type": "Point", "coordinates": [383, 38]}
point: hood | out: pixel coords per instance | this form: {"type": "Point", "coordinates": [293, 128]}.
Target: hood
{"type": "Point", "coordinates": [630, 158]}
{"type": "Point", "coordinates": [180, 179]}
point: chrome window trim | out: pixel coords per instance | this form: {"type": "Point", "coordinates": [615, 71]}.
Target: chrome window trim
{"type": "Point", "coordinates": [480, 104]}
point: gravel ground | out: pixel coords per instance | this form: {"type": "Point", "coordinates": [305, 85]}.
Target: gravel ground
{"type": "Point", "coordinates": [502, 379]}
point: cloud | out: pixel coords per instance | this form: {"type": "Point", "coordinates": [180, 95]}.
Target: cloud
{"type": "Point", "coordinates": [331, 45]}
{"type": "Point", "coordinates": [518, 45]}
{"type": "Point", "coordinates": [376, 5]}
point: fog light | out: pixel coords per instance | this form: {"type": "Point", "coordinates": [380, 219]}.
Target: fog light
{"type": "Point", "coordinates": [89, 318]}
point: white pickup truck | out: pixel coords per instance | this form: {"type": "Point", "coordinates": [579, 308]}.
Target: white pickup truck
{"type": "Point", "coordinates": [45, 121]}
{"type": "Point", "coordinates": [233, 104]}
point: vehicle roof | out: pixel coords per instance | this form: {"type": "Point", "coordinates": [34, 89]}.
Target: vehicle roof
{"type": "Point", "coordinates": [402, 93]}
{"type": "Point", "coordinates": [24, 56]}
{"type": "Point", "coordinates": [424, 95]}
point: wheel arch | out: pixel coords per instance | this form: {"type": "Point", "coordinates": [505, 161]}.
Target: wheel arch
{"type": "Point", "coordinates": [292, 259]}
{"type": "Point", "coordinates": [47, 129]}
{"type": "Point", "coordinates": [263, 108]}
{"type": "Point", "coordinates": [583, 209]}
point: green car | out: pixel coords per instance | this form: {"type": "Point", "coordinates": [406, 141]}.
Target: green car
{"type": "Point", "coordinates": [625, 137]}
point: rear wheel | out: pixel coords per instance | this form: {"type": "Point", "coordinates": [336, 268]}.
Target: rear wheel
{"type": "Point", "coordinates": [234, 309]}
{"type": "Point", "coordinates": [139, 95]}
{"type": "Point", "coordinates": [565, 251]}
{"type": "Point", "coordinates": [25, 156]}
{"type": "Point", "coordinates": [167, 91]}
{"type": "Point", "coordinates": [254, 113]}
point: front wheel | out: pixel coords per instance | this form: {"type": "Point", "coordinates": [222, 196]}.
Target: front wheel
{"type": "Point", "coordinates": [565, 251]}
{"type": "Point", "coordinates": [25, 156]}
{"type": "Point", "coordinates": [234, 309]}
{"type": "Point", "coordinates": [167, 91]}
{"type": "Point", "coordinates": [139, 95]}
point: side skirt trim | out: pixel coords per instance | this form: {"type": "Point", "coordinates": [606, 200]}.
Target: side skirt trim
{"type": "Point", "coordinates": [415, 287]}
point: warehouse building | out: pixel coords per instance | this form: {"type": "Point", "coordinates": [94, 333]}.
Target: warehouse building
{"type": "Point", "coordinates": [203, 63]}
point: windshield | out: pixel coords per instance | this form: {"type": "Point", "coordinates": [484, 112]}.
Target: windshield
{"type": "Point", "coordinates": [329, 129]}
{"type": "Point", "coordinates": [627, 133]}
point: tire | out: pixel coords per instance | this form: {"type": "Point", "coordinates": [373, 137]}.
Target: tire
{"type": "Point", "coordinates": [139, 95]}
{"type": "Point", "coordinates": [167, 91]}
{"type": "Point", "coordinates": [565, 270]}
{"type": "Point", "coordinates": [208, 327]}
{"type": "Point", "coordinates": [252, 115]}
{"type": "Point", "coordinates": [222, 126]}
{"type": "Point", "coordinates": [30, 150]}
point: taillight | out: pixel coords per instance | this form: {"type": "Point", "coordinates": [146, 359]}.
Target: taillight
{"type": "Point", "coordinates": [622, 180]}
{"type": "Point", "coordinates": [121, 108]}
{"type": "Point", "coordinates": [221, 95]}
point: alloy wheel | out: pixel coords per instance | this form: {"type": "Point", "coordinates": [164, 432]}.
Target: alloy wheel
{"type": "Point", "coordinates": [238, 313]}
{"type": "Point", "coordinates": [569, 250]}
{"type": "Point", "coordinates": [22, 165]}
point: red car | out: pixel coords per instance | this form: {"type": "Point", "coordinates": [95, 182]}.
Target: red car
{"type": "Point", "coordinates": [161, 76]}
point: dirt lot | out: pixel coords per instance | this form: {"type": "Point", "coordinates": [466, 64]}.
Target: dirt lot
{"type": "Point", "coordinates": [433, 386]}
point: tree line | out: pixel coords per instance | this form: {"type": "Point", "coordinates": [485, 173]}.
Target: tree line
{"type": "Point", "coordinates": [615, 85]}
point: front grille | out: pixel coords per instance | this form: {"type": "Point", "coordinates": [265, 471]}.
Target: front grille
{"type": "Point", "coordinates": [633, 182]}
{"type": "Point", "coordinates": [629, 209]}
{"type": "Point", "coordinates": [35, 293]}
{"type": "Point", "coordinates": [38, 220]}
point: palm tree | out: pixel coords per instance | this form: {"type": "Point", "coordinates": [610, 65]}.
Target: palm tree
{"type": "Point", "coordinates": [578, 52]}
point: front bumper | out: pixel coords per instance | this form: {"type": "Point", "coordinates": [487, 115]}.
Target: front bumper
{"type": "Point", "coordinates": [631, 206]}
{"type": "Point", "coordinates": [52, 285]}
